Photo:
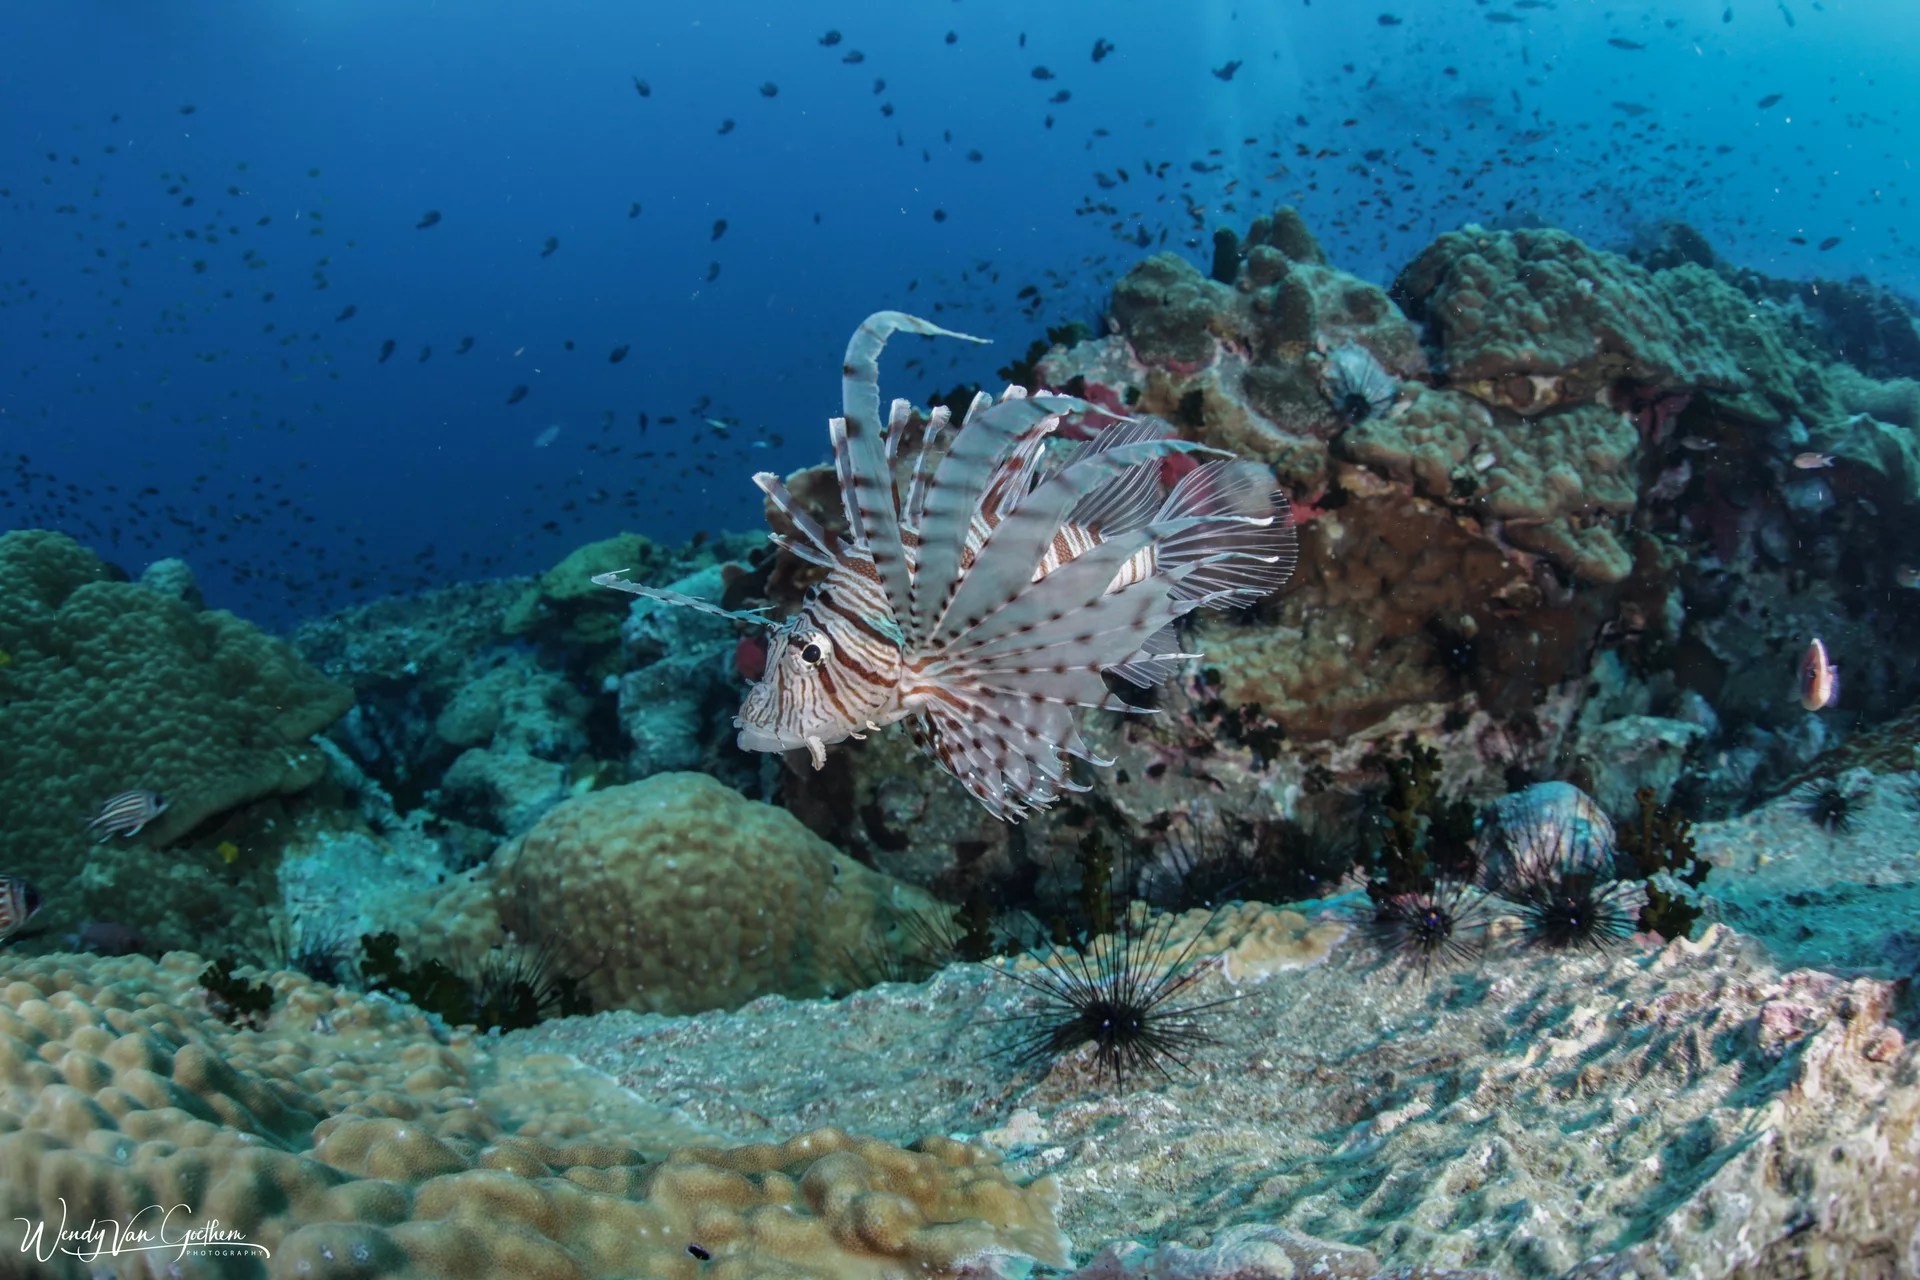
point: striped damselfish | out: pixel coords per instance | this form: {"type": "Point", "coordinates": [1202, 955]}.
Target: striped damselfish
{"type": "Point", "coordinates": [987, 604]}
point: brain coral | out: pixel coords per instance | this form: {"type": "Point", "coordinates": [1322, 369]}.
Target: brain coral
{"type": "Point", "coordinates": [345, 1140]}
{"type": "Point", "coordinates": [677, 894]}
{"type": "Point", "coordinates": [110, 686]}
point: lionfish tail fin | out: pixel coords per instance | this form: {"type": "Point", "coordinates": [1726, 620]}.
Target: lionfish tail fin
{"type": "Point", "coordinates": [756, 616]}
{"type": "Point", "coordinates": [1232, 530]}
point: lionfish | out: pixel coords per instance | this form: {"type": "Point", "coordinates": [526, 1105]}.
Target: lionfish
{"type": "Point", "coordinates": [987, 603]}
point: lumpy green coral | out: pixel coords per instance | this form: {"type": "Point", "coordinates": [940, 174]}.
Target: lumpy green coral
{"type": "Point", "coordinates": [676, 894]}
{"type": "Point", "coordinates": [116, 686]}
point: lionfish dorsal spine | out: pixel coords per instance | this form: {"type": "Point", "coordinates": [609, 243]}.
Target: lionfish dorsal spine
{"type": "Point", "coordinates": [937, 423]}
{"type": "Point", "coordinates": [861, 454]}
{"type": "Point", "coordinates": [1005, 565]}
{"type": "Point", "coordinates": [954, 495]}
{"type": "Point", "coordinates": [899, 414]}
{"type": "Point", "coordinates": [813, 547]}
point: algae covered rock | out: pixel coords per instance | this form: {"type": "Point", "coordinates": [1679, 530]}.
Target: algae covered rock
{"type": "Point", "coordinates": [564, 606]}
{"type": "Point", "coordinates": [113, 686]}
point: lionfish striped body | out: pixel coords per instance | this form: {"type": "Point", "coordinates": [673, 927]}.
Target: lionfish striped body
{"type": "Point", "coordinates": [985, 605]}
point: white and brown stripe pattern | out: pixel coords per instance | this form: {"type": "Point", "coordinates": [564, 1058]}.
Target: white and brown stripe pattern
{"type": "Point", "coordinates": [18, 902]}
{"type": "Point", "coordinates": [988, 606]}
{"type": "Point", "coordinates": [127, 814]}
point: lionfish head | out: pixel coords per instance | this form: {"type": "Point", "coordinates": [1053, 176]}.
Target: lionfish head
{"type": "Point", "coordinates": [830, 676]}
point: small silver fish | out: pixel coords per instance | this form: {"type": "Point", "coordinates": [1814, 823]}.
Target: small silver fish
{"type": "Point", "coordinates": [1811, 461]}
{"type": "Point", "coordinates": [1906, 577]}
{"type": "Point", "coordinates": [1819, 678]}
{"type": "Point", "coordinates": [18, 903]}
{"type": "Point", "coordinates": [126, 813]}
{"type": "Point", "coordinates": [988, 598]}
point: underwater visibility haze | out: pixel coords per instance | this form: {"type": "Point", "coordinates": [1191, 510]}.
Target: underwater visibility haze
{"type": "Point", "coordinates": [1115, 641]}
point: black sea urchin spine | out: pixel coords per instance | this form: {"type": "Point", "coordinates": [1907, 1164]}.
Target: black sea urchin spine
{"type": "Point", "coordinates": [1119, 993]}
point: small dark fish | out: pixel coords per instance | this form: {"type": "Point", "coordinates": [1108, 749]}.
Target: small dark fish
{"type": "Point", "coordinates": [879, 86]}
{"type": "Point", "coordinates": [1631, 108]}
{"type": "Point", "coordinates": [768, 89]}
{"type": "Point", "coordinates": [1621, 42]}
{"type": "Point", "coordinates": [426, 354]}
{"type": "Point", "coordinates": [953, 37]}
{"type": "Point", "coordinates": [940, 215]}
{"type": "Point", "coordinates": [553, 244]}
{"type": "Point", "coordinates": [18, 903]}
{"type": "Point", "coordinates": [347, 313]}
{"type": "Point", "coordinates": [1501, 17]}
{"type": "Point", "coordinates": [1101, 48]}
{"type": "Point", "coordinates": [1786, 13]}
{"type": "Point", "coordinates": [125, 814]}
{"type": "Point", "coordinates": [726, 126]}
{"type": "Point", "coordinates": [518, 394]}
{"type": "Point", "coordinates": [633, 210]}
{"type": "Point", "coordinates": [618, 354]}
{"type": "Point", "coordinates": [719, 227]}
{"type": "Point", "coordinates": [713, 272]}
{"type": "Point", "coordinates": [830, 39]}
{"type": "Point", "coordinates": [1726, 14]}
{"type": "Point", "coordinates": [1819, 678]}
{"type": "Point", "coordinates": [386, 350]}
{"type": "Point", "coordinates": [1041, 73]}
{"type": "Point", "coordinates": [466, 345]}
{"type": "Point", "coordinates": [1387, 20]}
{"type": "Point", "coordinates": [430, 218]}
{"type": "Point", "coordinates": [1828, 243]}
{"type": "Point", "coordinates": [853, 57]}
{"type": "Point", "coordinates": [1061, 95]}
{"type": "Point", "coordinates": [1769, 100]}
{"type": "Point", "coordinates": [1226, 72]}
{"type": "Point", "coordinates": [188, 109]}
{"type": "Point", "coordinates": [642, 88]}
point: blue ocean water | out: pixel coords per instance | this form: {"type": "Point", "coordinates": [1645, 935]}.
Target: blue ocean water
{"type": "Point", "coordinates": [210, 227]}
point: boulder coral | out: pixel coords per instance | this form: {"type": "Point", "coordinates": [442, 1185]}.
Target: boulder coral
{"type": "Point", "coordinates": [676, 894]}
{"type": "Point", "coordinates": [344, 1139]}
{"type": "Point", "coordinates": [112, 686]}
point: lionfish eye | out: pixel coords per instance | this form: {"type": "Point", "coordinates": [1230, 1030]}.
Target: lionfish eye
{"type": "Point", "coordinates": [811, 654]}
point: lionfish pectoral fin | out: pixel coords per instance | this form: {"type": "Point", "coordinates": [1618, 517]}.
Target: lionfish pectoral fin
{"type": "Point", "coordinates": [817, 752]}
{"type": "Point", "coordinates": [618, 583]}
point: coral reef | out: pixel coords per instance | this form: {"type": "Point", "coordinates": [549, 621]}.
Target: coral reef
{"type": "Point", "coordinates": [1424, 1123]}
{"type": "Point", "coordinates": [681, 685]}
{"type": "Point", "coordinates": [564, 609]}
{"type": "Point", "coordinates": [343, 1139]}
{"type": "Point", "coordinates": [113, 686]}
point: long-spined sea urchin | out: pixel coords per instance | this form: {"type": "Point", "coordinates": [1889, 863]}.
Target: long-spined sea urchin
{"type": "Point", "coordinates": [1118, 992]}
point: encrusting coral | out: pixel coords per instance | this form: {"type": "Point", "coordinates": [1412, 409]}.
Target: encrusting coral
{"type": "Point", "coordinates": [344, 1140]}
